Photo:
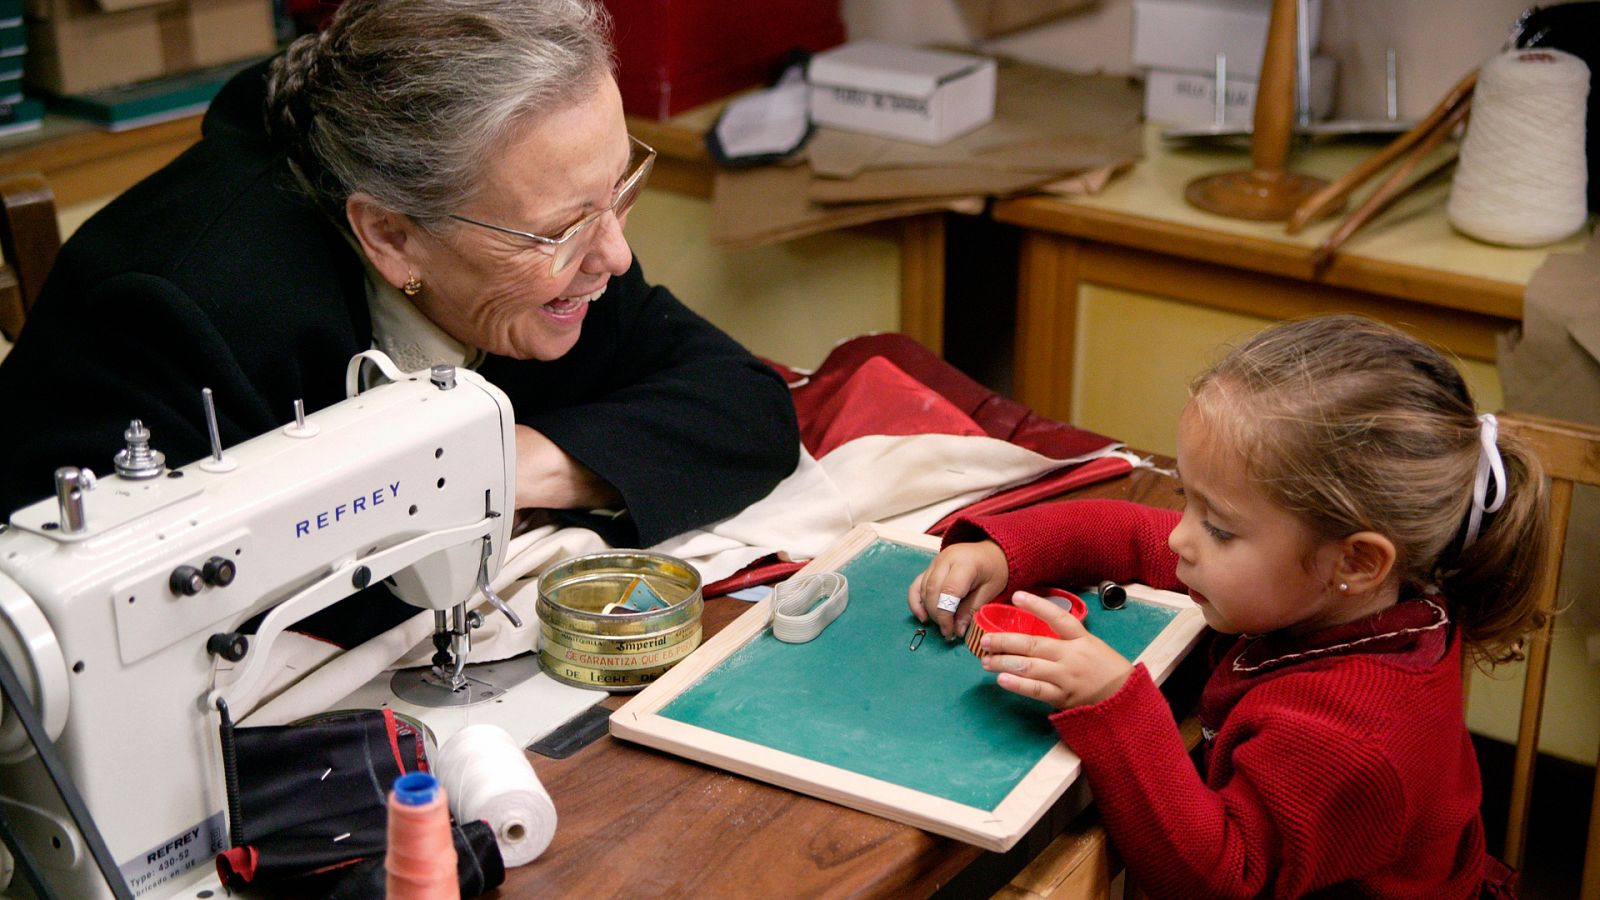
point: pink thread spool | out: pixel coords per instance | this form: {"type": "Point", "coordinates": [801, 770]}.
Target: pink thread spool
{"type": "Point", "coordinates": [421, 860]}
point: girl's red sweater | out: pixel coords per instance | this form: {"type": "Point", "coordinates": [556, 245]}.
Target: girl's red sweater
{"type": "Point", "coordinates": [1334, 764]}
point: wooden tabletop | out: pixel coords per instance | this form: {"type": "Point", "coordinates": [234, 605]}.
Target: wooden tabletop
{"type": "Point", "coordinates": [1409, 252]}
{"type": "Point", "coordinates": [637, 822]}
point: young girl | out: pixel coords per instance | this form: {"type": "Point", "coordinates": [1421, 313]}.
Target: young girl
{"type": "Point", "coordinates": [1350, 527]}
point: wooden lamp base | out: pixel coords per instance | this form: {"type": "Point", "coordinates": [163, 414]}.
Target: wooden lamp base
{"type": "Point", "coordinates": [1268, 195]}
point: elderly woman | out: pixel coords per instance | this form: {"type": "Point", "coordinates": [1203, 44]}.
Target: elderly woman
{"type": "Point", "coordinates": [447, 181]}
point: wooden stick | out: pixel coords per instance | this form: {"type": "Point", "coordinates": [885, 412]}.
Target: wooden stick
{"type": "Point", "coordinates": [1329, 198]}
{"type": "Point", "coordinates": [1377, 203]}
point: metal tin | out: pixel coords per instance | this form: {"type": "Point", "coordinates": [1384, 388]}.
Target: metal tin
{"type": "Point", "coordinates": [621, 652]}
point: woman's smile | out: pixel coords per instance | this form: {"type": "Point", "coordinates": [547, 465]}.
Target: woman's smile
{"type": "Point", "coordinates": [569, 310]}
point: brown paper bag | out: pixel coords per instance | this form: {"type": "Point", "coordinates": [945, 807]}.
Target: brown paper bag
{"type": "Point", "coordinates": [1551, 367]}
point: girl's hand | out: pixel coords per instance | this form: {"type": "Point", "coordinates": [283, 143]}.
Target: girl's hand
{"type": "Point", "coordinates": [971, 573]}
{"type": "Point", "coordinates": [1078, 670]}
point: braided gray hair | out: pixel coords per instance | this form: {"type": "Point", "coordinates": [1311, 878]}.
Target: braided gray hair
{"type": "Point", "coordinates": [405, 100]}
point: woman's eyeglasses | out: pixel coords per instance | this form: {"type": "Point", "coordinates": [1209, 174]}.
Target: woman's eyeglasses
{"type": "Point", "coordinates": [575, 240]}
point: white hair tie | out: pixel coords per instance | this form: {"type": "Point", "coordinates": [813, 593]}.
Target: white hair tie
{"type": "Point", "coordinates": [1490, 466]}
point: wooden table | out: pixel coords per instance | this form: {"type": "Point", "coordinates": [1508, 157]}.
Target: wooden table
{"type": "Point", "coordinates": [637, 822]}
{"type": "Point", "coordinates": [1407, 267]}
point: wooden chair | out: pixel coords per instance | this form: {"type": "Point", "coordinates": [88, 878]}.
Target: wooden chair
{"type": "Point", "coordinates": [1571, 456]}
{"type": "Point", "coordinates": [29, 239]}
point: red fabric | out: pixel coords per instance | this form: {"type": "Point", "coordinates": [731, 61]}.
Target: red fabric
{"type": "Point", "coordinates": [878, 397]}
{"type": "Point", "coordinates": [394, 742]}
{"type": "Point", "coordinates": [998, 416]}
{"type": "Point", "coordinates": [1338, 761]}
{"type": "Point", "coordinates": [237, 864]}
{"type": "Point", "coordinates": [890, 384]}
{"type": "Point", "coordinates": [1051, 485]}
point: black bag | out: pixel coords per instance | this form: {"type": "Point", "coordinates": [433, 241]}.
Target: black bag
{"type": "Point", "coordinates": [308, 804]}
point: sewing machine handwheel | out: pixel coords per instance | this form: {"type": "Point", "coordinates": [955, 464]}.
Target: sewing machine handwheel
{"type": "Point", "coordinates": [230, 645]}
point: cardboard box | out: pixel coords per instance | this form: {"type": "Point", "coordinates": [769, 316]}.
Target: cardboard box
{"type": "Point", "coordinates": [1187, 100]}
{"type": "Point", "coordinates": [674, 55]}
{"type": "Point", "coordinates": [925, 96]}
{"type": "Point", "coordinates": [1187, 35]}
{"type": "Point", "coordinates": [77, 46]}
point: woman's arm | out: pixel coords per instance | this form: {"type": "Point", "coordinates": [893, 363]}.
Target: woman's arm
{"type": "Point", "coordinates": [547, 478]}
{"type": "Point", "coordinates": [684, 424]}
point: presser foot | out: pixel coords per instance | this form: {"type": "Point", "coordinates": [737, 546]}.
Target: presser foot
{"type": "Point", "coordinates": [482, 682]}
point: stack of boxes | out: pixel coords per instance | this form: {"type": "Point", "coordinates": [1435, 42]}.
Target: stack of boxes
{"type": "Point", "coordinates": [1179, 40]}
{"type": "Point", "coordinates": [77, 48]}
{"type": "Point", "coordinates": [17, 112]}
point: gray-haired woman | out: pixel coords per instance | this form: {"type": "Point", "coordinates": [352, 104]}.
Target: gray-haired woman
{"type": "Point", "coordinates": [445, 180]}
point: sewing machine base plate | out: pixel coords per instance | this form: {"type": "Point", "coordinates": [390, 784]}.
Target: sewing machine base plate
{"type": "Point", "coordinates": [528, 710]}
{"type": "Point", "coordinates": [484, 682]}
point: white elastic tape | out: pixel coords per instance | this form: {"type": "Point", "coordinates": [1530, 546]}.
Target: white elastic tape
{"type": "Point", "coordinates": [797, 617]}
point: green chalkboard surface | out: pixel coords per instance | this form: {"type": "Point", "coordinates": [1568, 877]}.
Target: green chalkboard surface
{"type": "Point", "coordinates": [858, 717]}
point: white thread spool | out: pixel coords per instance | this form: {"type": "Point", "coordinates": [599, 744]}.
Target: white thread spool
{"type": "Point", "coordinates": [486, 776]}
{"type": "Point", "coordinates": [1522, 175]}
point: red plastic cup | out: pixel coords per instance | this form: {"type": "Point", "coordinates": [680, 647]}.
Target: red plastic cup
{"type": "Point", "coordinates": [998, 617]}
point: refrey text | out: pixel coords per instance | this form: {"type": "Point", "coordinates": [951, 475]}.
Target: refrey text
{"type": "Point", "coordinates": [328, 518]}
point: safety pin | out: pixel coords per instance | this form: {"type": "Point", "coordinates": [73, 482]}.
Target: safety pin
{"type": "Point", "coordinates": [916, 638]}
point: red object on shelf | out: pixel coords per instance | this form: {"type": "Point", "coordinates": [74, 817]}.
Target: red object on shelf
{"type": "Point", "coordinates": [675, 55]}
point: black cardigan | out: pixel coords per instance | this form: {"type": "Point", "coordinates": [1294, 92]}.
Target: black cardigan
{"type": "Point", "coordinates": [217, 272]}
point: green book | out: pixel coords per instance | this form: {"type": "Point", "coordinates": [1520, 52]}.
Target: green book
{"type": "Point", "coordinates": [148, 102]}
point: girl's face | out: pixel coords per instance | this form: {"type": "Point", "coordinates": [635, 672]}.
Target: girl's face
{"type": "Point", "coordinates": [498, 291]}
{"type": "Point", "coordinates": [1253, 566]}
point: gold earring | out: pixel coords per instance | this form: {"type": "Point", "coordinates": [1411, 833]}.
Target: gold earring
{"type": "Point", "coordinates": [413, 285]}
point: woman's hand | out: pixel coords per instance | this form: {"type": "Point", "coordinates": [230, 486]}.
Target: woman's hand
{"type": "Point", "coordinates": [971, 573]}
{"type": "Point", "coordinates": [547, 478]}
{"type": "Point", "coordinates": [1077, 670]}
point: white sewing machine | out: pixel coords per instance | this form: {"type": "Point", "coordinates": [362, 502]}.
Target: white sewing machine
{"type": "Point", "coordinates": [119, 597]}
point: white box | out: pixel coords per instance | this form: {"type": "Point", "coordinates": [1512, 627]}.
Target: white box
{"type": "Point", "coordinates": [926, 96]}
{"type": "Point", "coordinates": [1188, 100]}
{"type": "Point", "coordinates": [1187, 35]}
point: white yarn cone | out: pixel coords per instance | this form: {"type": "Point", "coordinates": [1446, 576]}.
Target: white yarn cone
{"type": "Point", "coordinates": [486, 776]}
{"type": "Point", "coordinates": [1522, 176]}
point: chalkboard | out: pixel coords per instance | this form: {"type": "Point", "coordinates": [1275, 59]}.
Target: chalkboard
{"type": "Point", "coordinates": [855, 716]}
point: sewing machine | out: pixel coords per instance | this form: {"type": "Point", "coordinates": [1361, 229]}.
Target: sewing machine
{"type": "Point", "coordinates": [121, 597]}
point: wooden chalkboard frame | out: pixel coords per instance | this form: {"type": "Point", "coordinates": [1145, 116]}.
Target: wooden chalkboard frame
{"type": "Point", "coordinates": [639, 720]}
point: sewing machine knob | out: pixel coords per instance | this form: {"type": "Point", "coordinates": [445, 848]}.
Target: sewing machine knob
{"type": "Point", "coordinates": [219, 571]}
{"type": "Point", "coordinates": [231, 645]}
{"type": "Point", "coordinates": [186, 580]}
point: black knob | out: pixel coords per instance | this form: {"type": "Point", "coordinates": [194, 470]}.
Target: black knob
{"type": "Point", "coordinates": [186, 580]}
{"type": "Point", "coordinates": [219, 571]}
{"type": "Point", "coordinates": [230, 645]}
